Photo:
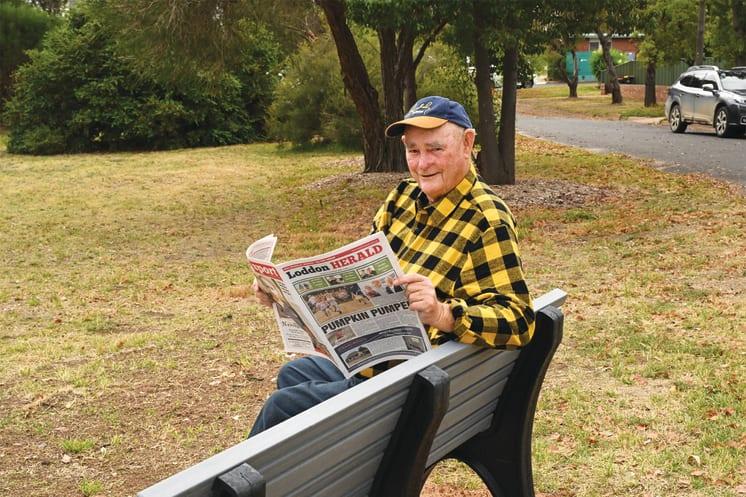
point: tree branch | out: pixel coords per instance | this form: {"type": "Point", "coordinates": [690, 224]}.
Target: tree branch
{"type": "Point", "coordinates": [426, 43]}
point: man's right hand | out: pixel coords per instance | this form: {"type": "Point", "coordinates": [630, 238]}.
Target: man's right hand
{"type": "Point", "coordinates": [263, 297]}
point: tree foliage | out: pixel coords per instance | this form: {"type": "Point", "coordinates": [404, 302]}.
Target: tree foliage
{"type": "Point", "coordinates": [50, 6]}
{"type": "Point", "coordinates": [22, 27]}
{"type": "Point", "coordinates": [184, 43]}
{"type": "Point", "coordinates": [78, 93]}
{"type": "Point", "coordinates": [598, 62]}
{"type": "Point", "coordinates": [310, 104]}
{"type": "Point", "coordinates": [664, 23]}
{"type": "Point", "coordinates": [610, 17]}
{"type": "Point", "coordinates": [727, 31]}
{"type": "Point", "coordinates": [564, 23]}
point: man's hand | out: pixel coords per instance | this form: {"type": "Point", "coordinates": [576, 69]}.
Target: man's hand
{"type": "Point", "coordinates": [423, 299]}
{"type": "Point", "coordinates": [263, 297]}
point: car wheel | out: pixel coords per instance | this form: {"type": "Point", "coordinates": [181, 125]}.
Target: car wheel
{"type": "Point", "coordinates": [722, 128]}
{"type": "Point", "coordinates": [675, 120]}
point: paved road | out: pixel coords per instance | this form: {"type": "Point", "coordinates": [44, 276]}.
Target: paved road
{"type": "Point", "coordinates": [697, 150]}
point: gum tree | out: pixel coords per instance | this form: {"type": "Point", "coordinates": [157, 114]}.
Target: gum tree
{"type": "Point", "coordinates": [398, 26]}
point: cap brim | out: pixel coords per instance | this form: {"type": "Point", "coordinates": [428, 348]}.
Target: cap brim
{"type": "Point", "coordinates": [427, 122]}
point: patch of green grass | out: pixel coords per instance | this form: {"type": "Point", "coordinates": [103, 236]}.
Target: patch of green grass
{"type": "Point", "coordinates": [637, 110]}
{"type": "Point", "coordinates": [590, 102]}
{"type": "Point", "coordinates": [573, 215]}
{"type": "Point", "coordinates": [557, 91]}
{"type": "Point", "coordinates": [89, 488]}
{"type": "Point", "coordinates": [77, 445]}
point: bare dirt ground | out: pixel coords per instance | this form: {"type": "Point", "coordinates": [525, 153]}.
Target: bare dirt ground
{"type": "Point", "coordinates": [545, 193]}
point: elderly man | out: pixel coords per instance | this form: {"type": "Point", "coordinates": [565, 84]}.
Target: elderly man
{"type": "Point", "coordinates": [456, 241]}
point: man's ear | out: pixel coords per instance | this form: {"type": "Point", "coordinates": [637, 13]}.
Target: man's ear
{"type": "Point", "coordinates": [470, 135]}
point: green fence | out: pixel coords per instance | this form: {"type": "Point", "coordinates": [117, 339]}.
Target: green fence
{"type": "Point", "coordinates": [665, 74]}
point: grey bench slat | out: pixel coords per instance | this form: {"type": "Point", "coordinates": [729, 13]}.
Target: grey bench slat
{"type": "Point", "coordinates": [497, 364]}
{"type": "Point", "coordinates": [492, 385]}
{"type": "Point", "coordinates": [342, 457]}
{"type": "Point", "coordinates": [477, 422]}
{"type": "Point", "coordinates": [464, 415]}
{"type": "Point", "coordinates": [555, 298]}
{"type": "Point", "coordinates": [340, 480]}
{"type": "Point", "coordinates": [483, 395]}
{"type": "Point", "coordinates": [367, 425]}
{"type": "Point", "coordinates": [486, 361]}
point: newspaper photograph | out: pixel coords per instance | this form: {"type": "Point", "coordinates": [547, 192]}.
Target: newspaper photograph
{"type": "Point", "coordinates": [343, 305]}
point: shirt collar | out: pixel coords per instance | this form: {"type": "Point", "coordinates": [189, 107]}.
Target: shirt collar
{"type": "Point", "coordinates": [442, 208]}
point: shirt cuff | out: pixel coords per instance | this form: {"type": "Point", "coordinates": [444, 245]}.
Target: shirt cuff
{"type": "Point", "coordinates": [459, 310]}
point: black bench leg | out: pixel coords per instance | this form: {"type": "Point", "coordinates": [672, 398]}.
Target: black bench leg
{"type": "Point", "coordinates": [501, 455]}
{"type": "Point", "coordinates": [241, 481]}
{"type": "Point", "coordinates": [403, 464]}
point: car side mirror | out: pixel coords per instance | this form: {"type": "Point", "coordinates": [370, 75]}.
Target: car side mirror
{"type": "Point", "coordinates": [708, 87]}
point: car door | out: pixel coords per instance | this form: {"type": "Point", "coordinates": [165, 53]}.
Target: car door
{"type": "Point", "coordinates": [686, 96]}
{"type": "Point", "coordinates": [705, 101]}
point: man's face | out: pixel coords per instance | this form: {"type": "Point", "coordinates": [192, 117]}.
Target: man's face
{"type": "Point", "coordinates": [438, 158]}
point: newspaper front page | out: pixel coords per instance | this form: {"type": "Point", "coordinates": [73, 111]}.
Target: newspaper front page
{"type": "Point", "coordinates": [342, 305]}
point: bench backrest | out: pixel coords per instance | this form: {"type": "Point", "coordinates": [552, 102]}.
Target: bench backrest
{"type": "Point", "coordinates": [336, 448]}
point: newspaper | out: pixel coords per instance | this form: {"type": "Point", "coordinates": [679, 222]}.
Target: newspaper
{"type": "Point", "coordinates": [342, 305]}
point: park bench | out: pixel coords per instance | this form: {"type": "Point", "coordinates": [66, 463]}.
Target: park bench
{"type": "Point", "coordinates": [382, 437]}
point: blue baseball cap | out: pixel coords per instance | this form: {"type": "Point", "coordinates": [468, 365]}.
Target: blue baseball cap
{"type": "Point", "coordinates": [429, 113]}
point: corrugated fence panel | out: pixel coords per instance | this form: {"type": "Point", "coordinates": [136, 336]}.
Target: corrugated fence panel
{"type": "Point", "coordinates": [665, 74]}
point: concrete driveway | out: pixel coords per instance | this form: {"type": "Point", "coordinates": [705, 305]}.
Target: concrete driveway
{"type": "Point", "coordinates": [698, 150]}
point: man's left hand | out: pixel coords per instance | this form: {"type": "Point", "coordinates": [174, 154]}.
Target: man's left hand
{"type": "Point", "coordinates": [423, 299]}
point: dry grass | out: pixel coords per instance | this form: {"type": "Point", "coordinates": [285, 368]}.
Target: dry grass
{"type": "Point", "coordinates": [554, 101]}
{"type": "Point", "coordinates": [131, 347]}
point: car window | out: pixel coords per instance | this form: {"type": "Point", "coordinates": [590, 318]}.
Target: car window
{"type": "Point", "coordinates": [733, 81]}
{"type": "Point", "coordinates": [689, 80]}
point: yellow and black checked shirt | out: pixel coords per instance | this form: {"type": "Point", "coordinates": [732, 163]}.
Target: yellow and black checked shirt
{"type": "Point", "coordinates": [466, 244]}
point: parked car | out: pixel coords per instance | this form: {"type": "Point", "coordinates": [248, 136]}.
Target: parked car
{"type": "Point", "coordinates": [709, 95]}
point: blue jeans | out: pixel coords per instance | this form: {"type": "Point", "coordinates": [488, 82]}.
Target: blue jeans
{"type": "Point", "coordinates": [301, 384]}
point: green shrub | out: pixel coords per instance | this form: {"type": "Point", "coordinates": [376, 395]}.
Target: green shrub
{"type": "Point", "coordinates": [598, 64]}
{"type": "Point", "coordinates": [310, 104]}
{"type": "Point", "coordinates": [22, 27]}
{"type": "Point", "coordinates": [77, 94]}
{"type": "Point", "coordinates": [554, 60]}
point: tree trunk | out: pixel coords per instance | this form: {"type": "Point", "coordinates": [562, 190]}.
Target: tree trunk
{"type": "Point", "coordinates": [738, 19]}
{"type": "Point", "coordinates": [488, 159]}
{"type": "Point", "coordinates": [410, 68]}
{"type": "Point", "coordinates": [410, 85]}
{"type": "Point", "coordinates": [357, 83]}
{"type": "Point", "coordinates": [573, 82]}
{"type": "Point", "coordinates": [650, 98]}
{"type": "Point", "coordinates": [699, 56]}
{"type": "Point", "coordinates": [506, 136]}
{"type": "Point", "coordinates": [616, 91]}
{"type": "Point", "coordinates": [393, 94]}
{"type": "Point", "coordinates": [406, 67]}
